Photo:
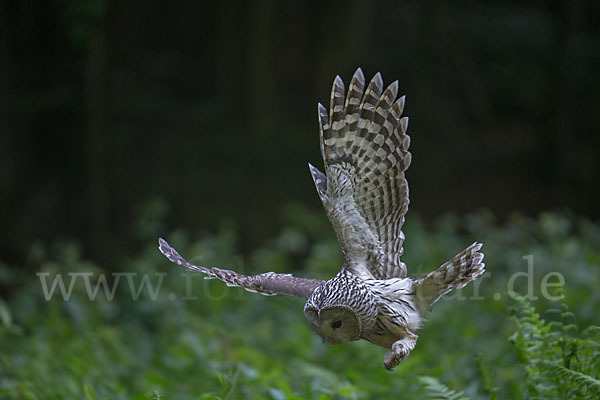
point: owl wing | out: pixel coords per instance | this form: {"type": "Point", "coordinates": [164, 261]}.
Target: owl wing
{"type": "Point", "coordinates": [269, 283]}
{"type": "Point", "coordinates": [463, 268]}
{"type": "Point", "coordinates": [364, 191]}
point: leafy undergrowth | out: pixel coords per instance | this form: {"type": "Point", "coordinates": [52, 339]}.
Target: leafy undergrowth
{"type": "Point", "coordinates": [559, 363]}
{"type": "Point", "coordinates": [197, 339]}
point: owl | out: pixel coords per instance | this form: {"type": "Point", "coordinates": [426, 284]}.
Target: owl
{"type": "Point", "coordinates": [364, 191]}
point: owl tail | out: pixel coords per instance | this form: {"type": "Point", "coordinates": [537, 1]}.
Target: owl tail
{"type": "Point", "coordinates": [454, 274]}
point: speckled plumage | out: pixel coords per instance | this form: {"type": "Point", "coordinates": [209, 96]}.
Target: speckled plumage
{"type": "Point", "coordinates": [364, 191]}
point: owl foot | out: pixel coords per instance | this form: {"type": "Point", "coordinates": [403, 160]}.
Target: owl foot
{"type": "Point", "coordinates": [400, 350]}
{"type": "Point", "coordinates": [394, 357]}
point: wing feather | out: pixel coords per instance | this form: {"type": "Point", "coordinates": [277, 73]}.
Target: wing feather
{"type": "Point", "coordinates": [365, 150]}
{"type": "Point", "coordinates": [461, 269]}
{"type": "Point", "coordinates": [269, 283]}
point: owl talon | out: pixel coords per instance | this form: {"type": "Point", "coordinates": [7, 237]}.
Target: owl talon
{"type": "Point", "coordinates": [400, 350]}
{"type": "Point", "coordinates": [393, 359]}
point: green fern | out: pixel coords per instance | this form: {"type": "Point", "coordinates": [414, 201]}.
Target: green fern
{"type": "Point", "coordinates": [435, 390]}
{"type": "Point", "coordinates": [558, 364]}
{"type": "Point", "coordinates": [489, 378]}
{"type": "Point", "coordinates": [586, 385]}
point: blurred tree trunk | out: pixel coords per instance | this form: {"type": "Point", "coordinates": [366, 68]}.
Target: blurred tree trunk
{"type": "Point", "coordinates": [229, 52]}
{"type": "Point", "coordinates": [348, 33]}
{"type": "Point", "coordinates": [6, 146]}
{"type": "Point", "coordinates": [261, 81]}
{"type": "Point", "coordinates": [95, 109]}
{"type": "Point", "coordinates": [566, 80]}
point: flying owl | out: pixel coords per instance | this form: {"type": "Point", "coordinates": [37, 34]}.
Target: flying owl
{"type": "Point", "coordinates": [365, 195]}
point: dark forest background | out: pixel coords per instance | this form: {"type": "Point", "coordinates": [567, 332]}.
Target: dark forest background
{"type": "Point", "coordinates": [122, 121]}
{"type": "Point", "coordinates": [206, 111]}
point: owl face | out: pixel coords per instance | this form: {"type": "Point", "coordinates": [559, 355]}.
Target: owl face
{"type": "Point", "coordinates": [335, 324]}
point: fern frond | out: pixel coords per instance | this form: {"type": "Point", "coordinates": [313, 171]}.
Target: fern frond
{"type": "Point", "coordinates": [559, 363]}
{"type": "Point", "coordinates": [587, 385]}
{"type": "Point", "coordinates": [436, 390]}
{"type": "Point", "coordinates": [489, 377]}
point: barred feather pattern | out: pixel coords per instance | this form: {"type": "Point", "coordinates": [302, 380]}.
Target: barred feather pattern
{"type": "Point", "coordinates": [268, 283]}
{"type": "Point", "coordinates": [349, 290]}
{"type": "Point", "coordinates": [463, 268]}
{"type": "Point", "coordinates": [364, 190]}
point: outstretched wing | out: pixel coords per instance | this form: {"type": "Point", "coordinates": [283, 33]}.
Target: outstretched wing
{"type": "Point", "coordinates": [364, 191]}
{"type": "Point", "coordinates": [269, 283]}
{"type": "Point", "coordinates": [461, 269]}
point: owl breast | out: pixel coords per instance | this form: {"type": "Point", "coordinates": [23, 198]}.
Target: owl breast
{"type": "Point", "coordinates": [397, 313]}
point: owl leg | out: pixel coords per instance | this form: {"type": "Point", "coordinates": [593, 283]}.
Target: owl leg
{"type": "Point", "coordinates": [400, 350]}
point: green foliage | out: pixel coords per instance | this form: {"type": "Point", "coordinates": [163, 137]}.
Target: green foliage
{"type": "Point", "coordinates": [559, 364]}
{"type": "Point", "coordinates": [194, 339]}
{"type": "Point", "coordinates": [578, 382]}
{"type": "Point", "coordinates": [435, 390]}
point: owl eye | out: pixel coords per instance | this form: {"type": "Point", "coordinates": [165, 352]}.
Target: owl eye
{"type": "Point", "coordinates": [336, 324]}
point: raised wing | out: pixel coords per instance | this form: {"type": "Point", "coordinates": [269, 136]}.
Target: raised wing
{"type": "Point", "coordinates": [364, 191]}
{"type": "Point", "coordinates": [269, 283]}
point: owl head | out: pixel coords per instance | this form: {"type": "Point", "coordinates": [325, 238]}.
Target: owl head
{"type": "Point", "coordinates": [340, 308]}
{"type": "Point", "coordinates": [336, 324]}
